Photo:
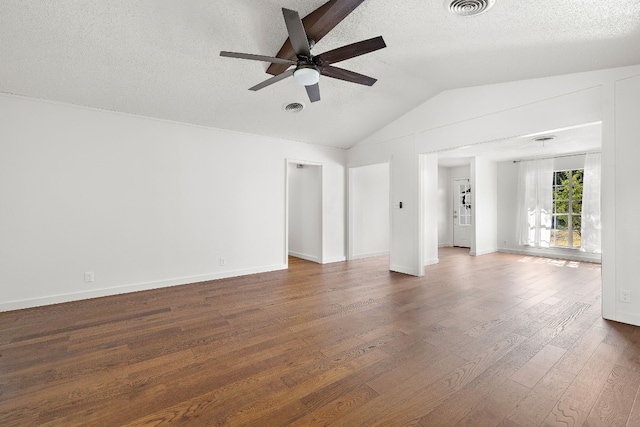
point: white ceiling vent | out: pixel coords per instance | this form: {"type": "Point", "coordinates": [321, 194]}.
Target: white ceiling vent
{"type": "Point", "coordinates": [294, 107]}
{"type": "Point", "coordinates": [468, 7]}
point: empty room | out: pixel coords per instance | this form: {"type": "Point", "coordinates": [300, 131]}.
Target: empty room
{"type": "Point", "coordinates": [343, 212]}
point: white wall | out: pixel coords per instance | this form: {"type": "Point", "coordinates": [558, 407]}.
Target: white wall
{"type": "Point", "coordinates": [445, 202]}
{"type": "Point", "coordinates": [405, 246]}
{"type": "Point", "coordinates": [305, 211]}
{"type": "Point", "coordinates": [484, 222]}
{"type": "Point", "coordinates": [495, 110]}
{"type": "Point", "coordinates": [141, 203]}
{"type": "Point", "coordinates": [145, 203]}
{"type": "Point", "coordinates": [369, 210]}
{"type": "Point", "coordinates": [430, 209]}
{"type": "Point", "coordinates": [473, 115]}
{"type": "Point", "coordinates": [621, 249]}
{"type": "Point", "coordinates": [507, 212]}
{"type": "Point", "coordinates": [459, 172]}
{"type": "Point", "coordinates": [508, 209]}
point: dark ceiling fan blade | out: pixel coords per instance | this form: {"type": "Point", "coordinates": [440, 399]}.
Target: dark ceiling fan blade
{"type": "Point", "coordinates": [272, 80]}
{"type": "Point", "coordinates": [314, 92]}
{"type": "Point", "coordinates": [297, 35]}
{"type": "Point", "coordinates": [352, 50]}
{"type": "Point", "coordinates": [317, 25]}
{"type": "Point", "coordinates": [271, 59]}
{"type": "Point", "coordinates": [346, 75]}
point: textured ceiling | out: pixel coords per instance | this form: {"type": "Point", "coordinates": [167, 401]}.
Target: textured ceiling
{"type": "Point", "coordinates": [160, 58]}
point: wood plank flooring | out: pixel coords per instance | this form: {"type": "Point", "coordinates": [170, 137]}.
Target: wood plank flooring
{"type": "Point", "coordinates": [497, 340]}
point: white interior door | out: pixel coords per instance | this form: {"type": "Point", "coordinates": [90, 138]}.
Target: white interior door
{"type": "Point", "coordinates": [461, 213]}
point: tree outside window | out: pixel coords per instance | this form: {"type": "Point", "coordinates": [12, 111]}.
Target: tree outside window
{"type": "Point", "coordinates": [567, 208]}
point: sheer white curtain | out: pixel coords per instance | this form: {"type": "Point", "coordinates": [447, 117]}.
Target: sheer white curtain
{"type": "Point", "coordinates": [591, 224]}
{"type": "Point", "coordinates": [535, 187]}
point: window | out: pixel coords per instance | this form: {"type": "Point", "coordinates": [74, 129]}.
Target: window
{"type": "Point", "coordinates": [567, 208]}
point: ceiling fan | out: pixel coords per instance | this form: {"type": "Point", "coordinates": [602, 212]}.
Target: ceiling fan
{"type": "Point", "coordinates": [307, 68]}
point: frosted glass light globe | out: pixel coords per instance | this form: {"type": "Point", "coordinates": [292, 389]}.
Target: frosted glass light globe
{"type": "Point", "coordinates": [306, 76]}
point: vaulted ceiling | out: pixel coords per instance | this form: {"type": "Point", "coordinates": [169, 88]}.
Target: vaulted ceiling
{"type": "Point", "coordinates": [160, 58]}
{"type": "Point", "coordinates": [580, 139]}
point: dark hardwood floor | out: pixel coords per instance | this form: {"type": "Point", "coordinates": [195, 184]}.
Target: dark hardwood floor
{"type": "Point", "coordinates": [480, 341]}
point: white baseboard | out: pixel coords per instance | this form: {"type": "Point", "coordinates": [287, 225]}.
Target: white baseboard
{"type": "Point", "coordinates": [571, 255]}
{"type": "Point", "coordinates": [445, 245]}
{"type": "Point", "coordinates": [431, 261]}
{"type": "Point", "coordinates": [124, 289]}
{"type": "Point", "coordinates": [629, 318]}
{"type": "Point", "coordinates": [403, 269]}
{"type": "Point", "coordinates": [334, 259]}
{"type": "Point", "coordinates": [484, 252]}
{"type": "Point", "coordinates": [369, 255]}
{"type": "Point", "coordinates": [305, 256]}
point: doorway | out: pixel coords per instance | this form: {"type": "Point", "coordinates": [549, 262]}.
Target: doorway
{"type": "Point", "coordinates": [304, 211]}
{"type": "Point", "coordinates": [462, 213]}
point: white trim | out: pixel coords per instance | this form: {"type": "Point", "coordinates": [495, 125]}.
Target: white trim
{"type": "Point", "coordinates": [134, 287]}
{"type": "Point", "coordinates": [334, 259]}
{"type": "Point", "coordinates": [392, 267]}
{"type": "Point", "coordinates": [349, 214]}
{"type": "Point", "coordinates": [546, 253]}
{"type": "Point", "coordinates": [484, 252]}
{"type": "Point", "coordinates": [420, 198]}
{"type": "Point", "coordinates": [403, 269]}
{"type": "Point", "coordinates": [609, 229]}
{"type": "Point", "coordinates": [286, 212]}
{"type": "Point", "coordinates": [454, 207]}
{"type": "Point", "coordinates": [432, 261]}
{"type": "Point", "coordinates": [305, 256]}
{"type": "Point", "coordinates": [445, 245]}
{"type": "Point", "coordinates": [322, 197]}
{"type": "Point", "coordinates": [368, 255]}
{"type": "Point", "coordinates": [630, 318]}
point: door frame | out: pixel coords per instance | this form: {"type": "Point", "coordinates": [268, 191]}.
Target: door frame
{"type": "Point", "coordinates": [454, 206]}
{"type": "Point", "coordinates": [288, 162]}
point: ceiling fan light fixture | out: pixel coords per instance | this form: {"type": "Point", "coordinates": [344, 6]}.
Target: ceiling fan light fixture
{"type": "Point", "coordinates": [306, 75]}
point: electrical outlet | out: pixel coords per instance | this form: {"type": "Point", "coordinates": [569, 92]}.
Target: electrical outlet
{"type": "Point", "coordinates": [88, 276]}
{"type": "Point", "coordinates": [223, 261]}
{"type": "Point", "coordinates": [625, 295]}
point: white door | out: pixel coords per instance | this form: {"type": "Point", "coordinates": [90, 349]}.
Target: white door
{"type": "Point", "coordinates": [461, 212]}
